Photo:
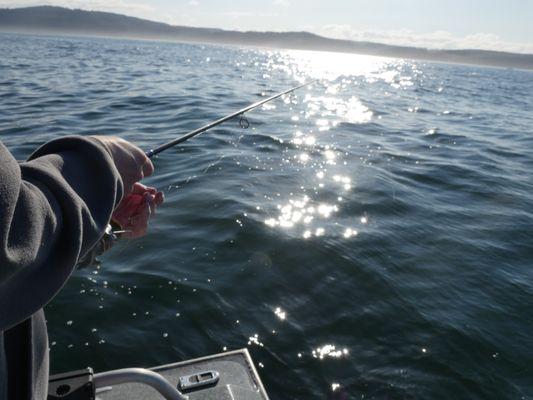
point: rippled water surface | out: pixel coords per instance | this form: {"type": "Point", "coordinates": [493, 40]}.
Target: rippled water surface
{"type": "Point", "coordinates": [367, 237]}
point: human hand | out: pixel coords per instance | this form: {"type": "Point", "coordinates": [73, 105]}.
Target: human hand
{"type": "Point", "coordinates": [135, 210]}
{"type": "Point", "coordinates": [131, 162]}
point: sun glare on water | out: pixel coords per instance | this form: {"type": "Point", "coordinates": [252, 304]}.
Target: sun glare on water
{"type": "Point", "coordinates": [318, 114]}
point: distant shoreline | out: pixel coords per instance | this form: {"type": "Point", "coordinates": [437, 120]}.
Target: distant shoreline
{"type": "Point", "coordinates": [80, 36]}
{"type": "Point", "coordinates": [58, 21]}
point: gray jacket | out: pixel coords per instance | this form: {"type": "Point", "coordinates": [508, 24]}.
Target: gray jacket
{"type": "Point", "coordinates": [53, 208]}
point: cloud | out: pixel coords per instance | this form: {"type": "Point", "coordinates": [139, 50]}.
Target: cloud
{"type": "Point", "coordinates": [431, 40]}
{"type": "Point", "coordinates": [194, 3]}
{"type": "Point", "coordinates": [237, 14]}
{"type": "Point", "coordinates": [283, 3]}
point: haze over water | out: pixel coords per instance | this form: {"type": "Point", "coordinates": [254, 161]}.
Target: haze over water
{"type": "Point", "coordinates": [367, 237]}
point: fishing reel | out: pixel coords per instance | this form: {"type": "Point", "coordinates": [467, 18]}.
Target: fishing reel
{"type": "Point", "coordinates": [106, 242]}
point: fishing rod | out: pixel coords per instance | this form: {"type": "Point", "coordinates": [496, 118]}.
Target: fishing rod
{"type": "Point", "coordinates": [110, 235]}
{"type": "Point", "coordinates": [187, 136]}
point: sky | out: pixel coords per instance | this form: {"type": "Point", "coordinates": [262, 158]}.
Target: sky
{"type": "Point", "coordinates": [451, 24]}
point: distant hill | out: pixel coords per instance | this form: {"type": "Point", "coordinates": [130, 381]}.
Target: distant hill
{"type": "Point", "coordinates": [58, 20]}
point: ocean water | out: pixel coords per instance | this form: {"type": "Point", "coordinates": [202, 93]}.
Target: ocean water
{"type": "Point", "coordinates": [368, 237]}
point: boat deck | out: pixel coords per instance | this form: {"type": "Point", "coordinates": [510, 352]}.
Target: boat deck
{"type": "Point", "coordinates": [237, 380]}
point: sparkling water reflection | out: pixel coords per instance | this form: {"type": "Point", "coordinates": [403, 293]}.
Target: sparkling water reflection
{"type": "Point", "coordinates": [368, 236]}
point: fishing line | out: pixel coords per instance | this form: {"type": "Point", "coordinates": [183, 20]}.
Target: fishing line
{"type": "Point", "coordinates": [244, 123]}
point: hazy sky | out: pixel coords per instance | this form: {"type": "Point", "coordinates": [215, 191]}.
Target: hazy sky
{"type": "Point", "coordinates": [487, 24]}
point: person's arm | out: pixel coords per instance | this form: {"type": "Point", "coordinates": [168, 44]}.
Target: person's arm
{"type": "Point", "coordinates": [53, 208]}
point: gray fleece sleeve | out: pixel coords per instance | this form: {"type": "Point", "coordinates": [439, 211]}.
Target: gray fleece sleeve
{"type": "Point", "coordinates": [53, 208]}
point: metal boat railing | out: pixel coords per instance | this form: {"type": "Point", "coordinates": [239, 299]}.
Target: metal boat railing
{"type": "Point", "coordinates": [138, 375]}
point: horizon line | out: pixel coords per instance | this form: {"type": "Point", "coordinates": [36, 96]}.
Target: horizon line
{"type": "Point", "coordinates": [429, 49]}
